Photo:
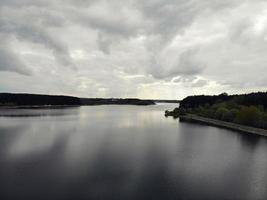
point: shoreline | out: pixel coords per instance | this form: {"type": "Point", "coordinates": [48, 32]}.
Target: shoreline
{"type": "Point", "coordinates": [65, 106]}
{"type": "Point", "coordinates": [38, 106]}
{"type": "Point", "coordinates": [223, 124]}
{"type": "Point", "coordinates": [34, 100]}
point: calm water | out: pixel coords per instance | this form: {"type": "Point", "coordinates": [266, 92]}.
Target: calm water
{"type": "Point", "coordinates": [125, 152]}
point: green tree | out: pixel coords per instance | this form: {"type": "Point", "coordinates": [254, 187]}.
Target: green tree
{"type": "Point", "coordinates": [221, 113]}
{"type": "Point", "coordinates": [248, 115]}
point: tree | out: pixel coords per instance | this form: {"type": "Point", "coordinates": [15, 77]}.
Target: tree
{"type": "Point", "coordinates": [221, 113]}
{"type": "Point", "coordinates": [248, 115]}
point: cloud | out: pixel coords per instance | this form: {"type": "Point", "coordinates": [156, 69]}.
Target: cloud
{"type": "Point", "coordinates": [32, 24]}
{"type": "Point", "coordinates": [134, 47]}
{"type": "Point", "coordinates": [185, 64]}
{"type": "Point", "coordinates": [11, 61]}
{"type": "Point", "coordinates": [200, 83]}
{"type": "Point", "coordinates": [104, 43]}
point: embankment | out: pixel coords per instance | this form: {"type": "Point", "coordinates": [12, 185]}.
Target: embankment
{"type": "Point", "coordinates": [223, 124]}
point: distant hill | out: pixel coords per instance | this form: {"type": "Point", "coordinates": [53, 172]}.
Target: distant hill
{"type": "Point", "coordinates": [20, 99]}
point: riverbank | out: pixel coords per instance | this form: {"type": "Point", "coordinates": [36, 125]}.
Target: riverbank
{"type": "Point", "coordinates": [223, 124]}
{"type": "Point", "coordinates": [38, 107]}
{"type": "Point", "coordinates": [39, 100]}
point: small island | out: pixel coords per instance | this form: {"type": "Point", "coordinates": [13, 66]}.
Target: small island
{"type": "Point", "coordinates": [246, 112]}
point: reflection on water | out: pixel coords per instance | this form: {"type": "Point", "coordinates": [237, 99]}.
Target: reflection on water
{"type": "Point", "coordinates": [126, 152]}
{"type": "Point", "coordinates": [39, 111]}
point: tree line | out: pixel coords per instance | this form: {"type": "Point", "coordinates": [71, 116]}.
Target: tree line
{"type": "Point", "coordinates": [9, 99]}
{"type": "Point", "coordinates": [247, 109]}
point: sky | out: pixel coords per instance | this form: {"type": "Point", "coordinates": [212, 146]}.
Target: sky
{"type": "Point", "coordinates": [164, 49]}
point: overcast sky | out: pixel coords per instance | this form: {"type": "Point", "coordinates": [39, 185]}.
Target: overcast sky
{"type": "Point", "coordinates": [164, 49]}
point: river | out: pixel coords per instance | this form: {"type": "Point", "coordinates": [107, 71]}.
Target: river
{"type": "Point", "coordinates": [125, 152]}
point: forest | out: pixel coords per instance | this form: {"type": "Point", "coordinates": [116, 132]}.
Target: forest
{"type": "Point", "coordinates": [11, 100]}
{"type": "Point", "coordinates": [246, 109]}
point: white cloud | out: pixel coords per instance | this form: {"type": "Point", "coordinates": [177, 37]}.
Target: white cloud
{"type": "Point", "coordinates": [155, 48]}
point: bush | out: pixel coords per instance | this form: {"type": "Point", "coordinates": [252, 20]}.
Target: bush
{"type": "Point", "coordinates": [221, 112]}
{"type": "Point", "coordinates": [227, 116]}
{"type": "Point", "coordinates": [248, 115]}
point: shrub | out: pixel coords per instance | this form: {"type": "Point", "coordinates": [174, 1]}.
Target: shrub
{"type": "Point", "coordinates": [248, 115]}
{"type": "Point", "coordinates": [221, 112]}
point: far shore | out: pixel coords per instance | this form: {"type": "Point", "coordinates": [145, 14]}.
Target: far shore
{"type": "Point", "coordinates": [223, 124]}
{"type": "Point", "coordinates": [38, 106]}
{"type": "Point", "coordinates": [32, 100]}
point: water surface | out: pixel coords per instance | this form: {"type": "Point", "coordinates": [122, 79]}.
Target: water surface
{"type": "Point", "coordinates": [125, 152]}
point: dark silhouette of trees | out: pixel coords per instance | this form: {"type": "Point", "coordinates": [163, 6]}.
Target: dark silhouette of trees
{"type": "Point", "coordinates": [259, 98]}
{"type": "Point", "coordinates": [247, 109]}
{"type": "Point", "coordinates": [100, 101]}
{"type": "Point", "coordinates": [36, 99]}
{"type": "Point", "coordinates": [7, 99]}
